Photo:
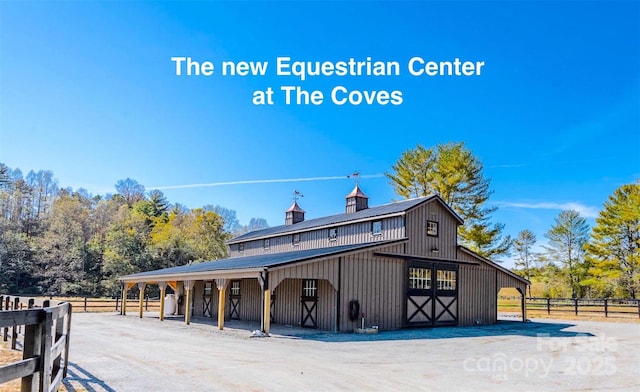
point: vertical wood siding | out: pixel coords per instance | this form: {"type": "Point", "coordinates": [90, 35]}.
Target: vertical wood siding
{"type": "Point", "coordinates": [198, 290]}
{"type": "Point", "coordinates": [250, 300]}
{"type": "Point", "coordinates": [322, 269]}
{"type": "Point", "coordinates": [288, 307]}
{"type": "Point", "coordinates": [477, 298]}
{"type": "Point", "coordinates": [478, 291]}
{"type": "Point", "coordinates": [378, 284]}
{"type": "Point", "coordinates": [420, 244]}
{"type": "Point", "coordinates": [350, 233]}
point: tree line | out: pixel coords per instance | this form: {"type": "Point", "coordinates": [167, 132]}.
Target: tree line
{"type": "Point", "coordinates": [59, 241]}
{"type": "Point", "coordinates": [579, 261]}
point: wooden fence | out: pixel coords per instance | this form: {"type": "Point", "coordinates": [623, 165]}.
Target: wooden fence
{"type": "Point", "coordinates": [42, 327]}
{"type": "Point", "coordinates": [88, 304]}
{"type": "Point", "coordinates": [607, 307]}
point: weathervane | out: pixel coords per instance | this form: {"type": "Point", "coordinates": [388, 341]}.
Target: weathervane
{"type": "Point", "coordinates": [355, 176]}
{"type": "Point", "coordinates": [297, 195]}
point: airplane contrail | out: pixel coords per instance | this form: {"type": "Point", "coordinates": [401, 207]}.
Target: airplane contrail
{"type": "Point", "coordinates": [165, 187]}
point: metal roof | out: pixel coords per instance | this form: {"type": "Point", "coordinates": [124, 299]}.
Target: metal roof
{"type": "Point", "coordinates": [259, 261]}
{"type": "Point", "coordinates": [357, 192]}
{"type": "Point", "coordinates": [371, 212]}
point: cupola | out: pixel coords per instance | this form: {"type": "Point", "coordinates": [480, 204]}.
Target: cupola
{"type": "Point", "coordinates": [357, 200]}
{"type": "Point", "coordinates": [294, 214]}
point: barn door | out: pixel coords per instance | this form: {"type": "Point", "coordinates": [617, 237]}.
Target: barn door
{"type": "Point", "coordinates": [432, 295]}
{"type": "Point", "coordinates": [445, 309]}
{"type": "Point", "coordinates": [234, 300]}
{"type": "Point", "coordinates": [309, 300]}
{"type": "Point", "coordinates": [420, 295]}
{"type": "Point", "coordinates": [207, 296]}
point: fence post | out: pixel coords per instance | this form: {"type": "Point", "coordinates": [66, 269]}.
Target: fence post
{"type": "Point", "coordinates": [85, 304]}
{"type": "Point", "coordinates": [117, 300]}
{"type": "Point", "coordinates": [638, 303]}
{"type": "Point", "coordinates": [575, 305]}
{"type": "Point", "coordinates": [45, 352]}
{"type": "Point", "coordinates": [14, 330]}
{"type": "Point", "coordinates": [146, 304]}
{"type": "Point", "coordinates": [32, 348]}
{"type": "Point", "coordinates": [606, 308]}
{"type": "Point", "coordinates": [548, 305]}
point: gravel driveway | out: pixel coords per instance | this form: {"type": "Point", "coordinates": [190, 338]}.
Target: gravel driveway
{"type": "Point", "coordinates": [115, 353]}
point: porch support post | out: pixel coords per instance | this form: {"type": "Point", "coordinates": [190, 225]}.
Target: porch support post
{"type": "Point", "coordinates": [163, 290]}
{"type": "Point", "coordinates": [523, 303]}
{"type": "Point", "coordinates": [188, 284]}
{"type": "Point", "coordinates": [221, 284]}
{"type": "Point", "coordinates": [123, 308]}
{"type": "Point", "coordinates": [265, 322]}
{"type": "Point", "coordinates": [267, 311]}
{"type": "Point", "coordinates": [141, 287]}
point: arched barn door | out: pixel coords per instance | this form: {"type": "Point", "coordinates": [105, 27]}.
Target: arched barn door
{"type": "Point", "coordinates": [432, 295]}
{"type": "Point", "coordinates": [309, 300]}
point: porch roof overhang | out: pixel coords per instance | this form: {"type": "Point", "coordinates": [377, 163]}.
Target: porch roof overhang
{"type": "Point", "coordinates": [245, 267]}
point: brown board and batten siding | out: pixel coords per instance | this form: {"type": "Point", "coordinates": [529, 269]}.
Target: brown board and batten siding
{"type": "Point", "coordinates": [250, 300]}
{"type": "Point", "coordinates": [477, 300]}
{"type": "Point", "coordinates": [378, 284]}
{"type": "Point", "coordinates": [350, 233]}
{"type": "Point", "coordinates": [321, 269]}
{"type": "Point", "coordinates": [288, 307]}
{"type": "Point", "coordinates": [421, 244]}
{"type": "Point", "coordinates": [478, 288]}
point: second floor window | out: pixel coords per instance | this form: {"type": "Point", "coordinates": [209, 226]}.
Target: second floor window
{"type": "Point", "coordinates": [265, 244]}
{"type": "Point", "coordinates": [296, 239]}
{"type": "Point", "coordinates": [241, 247]}
{"type": "Point", "coordinates": [333, 234]}
{"type": "Point", "coordinates": [432, 228]}
{"type": "Point", "coordinates": [376, 227]}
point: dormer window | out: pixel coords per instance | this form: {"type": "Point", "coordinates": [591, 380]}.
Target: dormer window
{"type": "Point", "coordinates": [333, 234]}
{"type": "Point", "coordinates": [265, 244]}
{"type": "Point", "coordinates": [376, 227]}
{"type": "Point", "coordinates": [241, 247]}
{"type": "Point", "coordinates": [296, 239]}
{"type": "Point", "coordinates": [432, 228]}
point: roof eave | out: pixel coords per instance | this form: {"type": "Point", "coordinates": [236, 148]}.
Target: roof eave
{"type": "Point", "coordinates": [494, 264]}
{"type": "Point", "coordinates": [180, 276]}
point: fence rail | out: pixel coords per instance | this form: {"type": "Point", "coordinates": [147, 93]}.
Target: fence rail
{"type": "Point", "coordinates": [88, 304]}
{"type": "Point", "coordinates": [609, 307]}
{"type": "Point", "coordinates": [42, 327]}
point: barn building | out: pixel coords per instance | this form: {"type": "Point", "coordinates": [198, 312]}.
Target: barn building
{"type": "Point", "coordinates": [398, 265]}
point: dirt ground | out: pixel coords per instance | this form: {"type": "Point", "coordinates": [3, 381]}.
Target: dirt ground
{"type": "Point", "coordinates": [115, 353]}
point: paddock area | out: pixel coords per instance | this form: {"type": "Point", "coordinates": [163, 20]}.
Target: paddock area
{"type": "Point", "coordinates": [110, 352]}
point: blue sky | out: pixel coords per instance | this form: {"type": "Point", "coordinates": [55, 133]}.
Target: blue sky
{"type": "Point", "coordinates": [88, 90]}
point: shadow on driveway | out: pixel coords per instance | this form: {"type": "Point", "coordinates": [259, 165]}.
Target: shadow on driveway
{"type": "Point", "coordinates": [546, 329]}
{"type": "Point", "coordinates": [502, 328]}
{"type": "Point", "coordinates": [78, 379]}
